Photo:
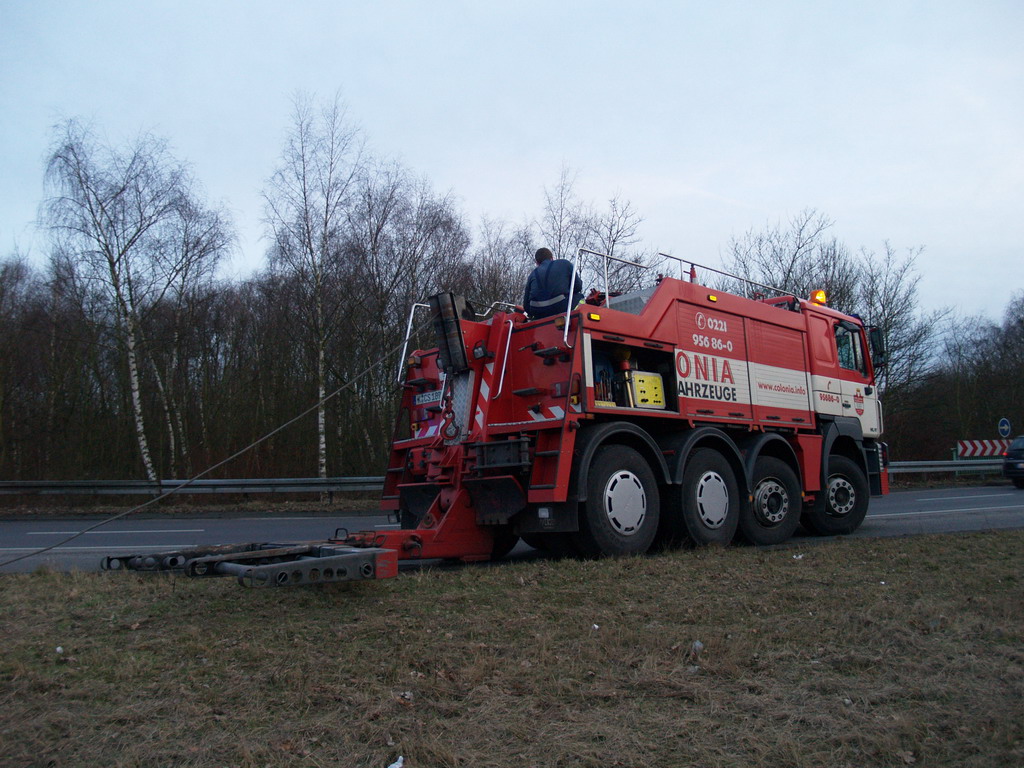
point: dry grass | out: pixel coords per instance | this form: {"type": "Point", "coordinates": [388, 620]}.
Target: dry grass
{"type": "Point", "coordinates": [857, 653]}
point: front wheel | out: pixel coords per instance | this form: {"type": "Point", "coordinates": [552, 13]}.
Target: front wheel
{"type": "Point", "coordinates": [842, 504]}
{"type": "Point", "coordinates": [775, 511]}
{"type": "Point", "coordinates": [705, 509]}
{"type": "Point", "coordinates": [620, 515]}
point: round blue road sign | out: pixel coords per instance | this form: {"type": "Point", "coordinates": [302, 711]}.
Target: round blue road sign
{"type": "Point", "coordinates": [1004, 427]}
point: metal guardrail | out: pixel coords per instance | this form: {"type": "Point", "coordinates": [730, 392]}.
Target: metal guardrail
{"type": "Point", "coordinates": [975, 466]}
{"type": "Point", "coordinates": [146, 488]}
{"type": "Point", "coordinates": [348, 484]}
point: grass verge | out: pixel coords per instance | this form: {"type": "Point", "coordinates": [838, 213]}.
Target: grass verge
{"type": "Point", "coordinates": [888, 652]}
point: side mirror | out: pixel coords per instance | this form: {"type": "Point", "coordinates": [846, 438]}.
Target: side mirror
{"type": "Point", "coordinates": [878, 354]}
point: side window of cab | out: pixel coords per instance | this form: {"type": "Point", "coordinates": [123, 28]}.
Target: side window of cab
{"type": "Point", "coordinates": [850, 347]}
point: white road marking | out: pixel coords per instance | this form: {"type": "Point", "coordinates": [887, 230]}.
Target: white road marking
{"type": "Point", "coordinates": [160, 548]}
{"type": "Point", "coordinates": [291, 519]}
{"type": "Point", "coordinates": [948, 511]}
{"type": "Point", "coordinates": [958, 498]}
{"type": "Point", "coordinates": [317, 517]}
{"type": "Point", "coordinates": [102, 532]}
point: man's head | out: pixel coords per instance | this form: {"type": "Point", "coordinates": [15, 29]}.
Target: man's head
{"type": "Point", "coordinates": [542, 255]}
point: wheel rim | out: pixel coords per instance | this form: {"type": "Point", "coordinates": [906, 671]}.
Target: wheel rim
{"type": "Point", "coordinates": [625, 502]}
{"type": "Point", "coordinates": [712, 499]}
{"type": "Point", "coordinates": [841, 496]}
{"type": "Point", "coordinates": [771, 502]}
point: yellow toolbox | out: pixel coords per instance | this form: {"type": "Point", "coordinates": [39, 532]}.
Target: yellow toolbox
{"type": "Point", "coordinates": [647, 389]}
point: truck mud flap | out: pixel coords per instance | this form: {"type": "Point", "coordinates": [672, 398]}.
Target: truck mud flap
{"type": "Point", "coordinates": [495, 499]}
{"type": "Point", "coordinates": [269, 565]}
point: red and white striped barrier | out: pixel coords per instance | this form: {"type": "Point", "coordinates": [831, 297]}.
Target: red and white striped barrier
{"type": "Point", "coordinates": [973, 449]}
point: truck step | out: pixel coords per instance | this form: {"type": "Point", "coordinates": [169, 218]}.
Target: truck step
{"type": "Point", "coordinates": [527, 391]}
{"type": "Point", "coordinates": [549, 352]}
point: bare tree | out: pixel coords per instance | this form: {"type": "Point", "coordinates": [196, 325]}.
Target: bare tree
{"type": "Point", "coordinates": [565, 222]}
{"type": "Point", "coordinates": [200, 236]}
{"type": "Point", "coordinates": [798, 257]}
{"type": "Point", "coordinates": [15, 278]}
{"type": "Point", "coordinates": [887, 297]}
{"type": "Point", "coordinates": [404, 243]}
{"type": "Point", "coordinates": [614, 232]}
{"type": "Point", "coordinates": [500, 264]}
{"type": "Point", "coordinates": [966, 344]}
{"type": "Point", "coordinates": [568, 223]}
{"type": "Point", "coordinates": [115, 210]}
{"type": "Point", "coordinates": [306, 213]}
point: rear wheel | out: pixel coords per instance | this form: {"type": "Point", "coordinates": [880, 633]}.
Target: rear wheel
{"type": "Point", "coordinates": [620, 515]}
{"type": "Point", "coordinates": [1019, 482]}
{"type": "Point", "coordinates": [775, 511]}
{"type": "Point", "coordinates": [705, 509]}
{"type": "Point", "coordinates": [842, 504]}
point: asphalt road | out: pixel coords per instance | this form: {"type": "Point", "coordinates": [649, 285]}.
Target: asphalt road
{"type": "Point", "coordinates": [903, 513]}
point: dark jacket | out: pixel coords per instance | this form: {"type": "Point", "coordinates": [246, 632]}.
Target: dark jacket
{"type": "Point", "coordinates": [547, 290]}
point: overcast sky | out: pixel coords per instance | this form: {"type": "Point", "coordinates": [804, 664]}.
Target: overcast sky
{"type": "Point", "coordinates": [902, 121]}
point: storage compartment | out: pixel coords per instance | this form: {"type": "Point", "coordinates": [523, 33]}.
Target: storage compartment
{"type": "Point", "coordinates": [625, 376]}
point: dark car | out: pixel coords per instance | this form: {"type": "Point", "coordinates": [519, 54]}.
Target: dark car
{"type": "Point", "coordinates": [1013, 461]}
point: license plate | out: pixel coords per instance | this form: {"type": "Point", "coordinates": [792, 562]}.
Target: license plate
{"type": "Point", "coordinates": [425, 398]}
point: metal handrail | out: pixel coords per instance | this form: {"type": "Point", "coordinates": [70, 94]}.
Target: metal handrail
{"type": "Point", "coordinates": [494, 305]}
{"type": "Point", "coordinates": [571, 292]}
{"type": "Point", "coordinates": [405, 343]}
{"type": "Point", "coordinates": [412, 314]}
{"type": "Point", "coordinates": [606, 257]}
{"type": "Point", "coordinates": [682, 274]}
{"type": "Point", "coordinates": [504, 362]}
{"type": "Point", "coordinates": [694, 265]}
{"type": "Point", "coordinates": [572, 282]}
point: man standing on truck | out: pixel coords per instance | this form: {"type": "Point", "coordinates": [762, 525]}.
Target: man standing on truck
{"type": "Point", "coordinates": [548, 287]}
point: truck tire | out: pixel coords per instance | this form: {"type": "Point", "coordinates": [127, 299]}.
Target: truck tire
{"type": "Point", "coordinates": [620, 515]}
{"type": "Point", "coordinates": [775, 511]}
{"type": "Point", "coordinates": [705, 509]}
{"type": "Point", "coordinates": [841, 506]}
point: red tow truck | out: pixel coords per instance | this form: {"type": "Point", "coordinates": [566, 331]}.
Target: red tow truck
{"type": "Point", "coordinates": [673, 414]}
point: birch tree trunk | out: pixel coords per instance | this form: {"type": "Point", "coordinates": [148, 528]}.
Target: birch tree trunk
{"type": "Point", "coordinates": [321, 411]}
{"type": "Point", "coordinates": [136, 392]}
